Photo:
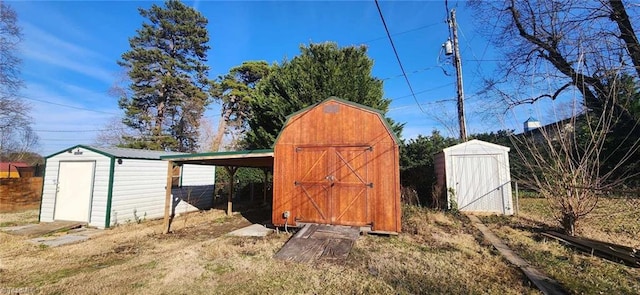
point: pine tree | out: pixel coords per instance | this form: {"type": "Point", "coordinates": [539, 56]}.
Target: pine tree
{"type": "Point", "coordinates": [169, 78]}
{"type": "Point", "coordinates": [234, 92]}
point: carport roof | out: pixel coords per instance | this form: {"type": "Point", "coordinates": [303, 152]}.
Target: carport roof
{"type": "Point", "coordinates": [249, 158]}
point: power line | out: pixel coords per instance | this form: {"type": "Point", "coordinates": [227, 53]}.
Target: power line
{"type": "Point", "coordinates": [426, 90]}
{"type": "Point", "coordinates": [446, 16]}
{"type": "Point", "coordinates": [74, 131]}
{"type": "Point", "coordinates": [440, 101]}
{"type": "Point", "coordinates": [397, 56]}
{"type": "Point", "coordinates": [60, 139]}
{"type": "Point", "coordinates": [486, 46]}
{"type": "Point", "coordinates": [413, 72]}
{"type": "Point", "coordinates": [486, 60]}
{"type": "Point", "coordinates": [68, 106]}
{"type": "Point", "coordinates": [404, 32]}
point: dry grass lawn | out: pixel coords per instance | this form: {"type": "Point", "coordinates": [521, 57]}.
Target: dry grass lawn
{"type": "Point", "coordinates": [436, 254]}
{"type": "Point", "coordinates": [19, 218]}
{"type": "Point", "coordinates": [614, 220]}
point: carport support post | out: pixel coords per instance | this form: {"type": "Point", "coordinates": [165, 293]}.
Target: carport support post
{"type": "Point", "coordinates": [167, 201]}
{"type": "Point", "coordinates": [251, 186]}
{"type": "Point", "coordinates": [517, 200]}
{"type": "Point", "coordinates": [232, 173]}
{"type": "Point", "coordinates": [264, 186]}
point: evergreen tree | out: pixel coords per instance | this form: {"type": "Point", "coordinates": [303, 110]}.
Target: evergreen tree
{"type": "Point", "coordinates": [169, 83]}
{"type": "Point", "coordinates": [234, 92]}
{"type": "Point", "coordinates": [319, 72]}
{"type": "Point", "coordinates": [417, 170]}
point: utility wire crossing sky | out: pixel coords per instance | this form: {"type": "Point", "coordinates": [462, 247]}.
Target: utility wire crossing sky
{"type": "Point", "coordinates": [70, 52]}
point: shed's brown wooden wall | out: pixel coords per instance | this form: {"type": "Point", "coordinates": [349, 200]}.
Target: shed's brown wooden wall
{"type": "Point", "coordinates": [339, 128]}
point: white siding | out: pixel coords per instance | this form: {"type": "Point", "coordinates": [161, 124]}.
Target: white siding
{"type": "Point", "coordinates": [138, 185]}
{"type": "Point", "coordinates": [198, 174]}
{"type": "Point", "coordinates": [100, 186]}
{"type": "Point", "coordinates": [479, 175]}
{"type": "Point", "coordinates": [197, 188]}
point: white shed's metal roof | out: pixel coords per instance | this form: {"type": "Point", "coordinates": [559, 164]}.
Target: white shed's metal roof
{"type": "Point", "coordinates": [124, 153]}
{"type": "Point", "coordinates": [133, 153]}
{"type": "Point", "coordinates": [475, 146]}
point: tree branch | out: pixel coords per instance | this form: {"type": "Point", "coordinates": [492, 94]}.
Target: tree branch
{"type": "Point", "coordinates": [620, 16]}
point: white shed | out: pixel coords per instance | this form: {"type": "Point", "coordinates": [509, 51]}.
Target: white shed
{"type": "Point", "coordinates": [108, 186]}
{"type": "Point", "coordinates": [475, 175]}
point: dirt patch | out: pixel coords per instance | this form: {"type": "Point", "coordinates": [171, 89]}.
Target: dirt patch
{"type": "Point", "coordinates": [205, 230]}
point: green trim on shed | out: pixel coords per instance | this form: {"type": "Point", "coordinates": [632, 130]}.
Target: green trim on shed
{"type": "Point", "coordinates": [231, 153]}
{"type": "Point", "coordinates": [44, 176]}
{"type": "Point", "coordinates": [79, 146]}
{"type": "Point", "coordinates": [379, 113]}
{"type": "Point", "coordinates": [115, 152]}
{"type": "Point", "coordinates": [107, 218]}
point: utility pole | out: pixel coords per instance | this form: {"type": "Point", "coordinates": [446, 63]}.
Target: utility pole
{"type": "Point", "coordinates": [458, 64]}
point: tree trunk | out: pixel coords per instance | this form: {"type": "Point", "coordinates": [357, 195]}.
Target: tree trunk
{"type": "Point", "coordinates": [222, 127]}
{"type": "Point", "coordinates": [157, 129]}
{"type": "Point", "coordinates": [620, 16]}
{"type": "Point", "coordinates": [569, 223]}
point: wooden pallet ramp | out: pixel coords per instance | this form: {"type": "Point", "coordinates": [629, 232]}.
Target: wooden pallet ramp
{"type": "Point", "coordinates": [319, 242]}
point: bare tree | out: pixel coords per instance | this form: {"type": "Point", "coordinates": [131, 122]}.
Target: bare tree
{"type": "Point", "coordinates": [115, 133]}
{"type": "Point", "coordinates": [445, 116]}
{"type": "Point", "coordinates": [587, 50]}
{"type": "Point", "coordinates": [206, 135]}
{"type": "Point", "coordinates": [565, 163]}
{"type": "Point", "coordinates": [16, 143]}
{"type": "Point", "coordinates": [566, 45]}
{"type": "Point", "coordinates": [10, 37]}
{"type": "Point", "coordinates": [16, 134]}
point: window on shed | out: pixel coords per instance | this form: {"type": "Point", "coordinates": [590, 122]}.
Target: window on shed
{"type": "Point", "coordinates": [175, 176]}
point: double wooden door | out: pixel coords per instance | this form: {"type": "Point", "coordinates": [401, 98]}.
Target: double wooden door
{"type": "Point", "coordinates": [332, 184]}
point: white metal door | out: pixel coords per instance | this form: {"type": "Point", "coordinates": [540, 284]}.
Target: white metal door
{"type": "Point", "coordinates": [74, 187]}
{"type": "Point", "coordinates": [478, 186]}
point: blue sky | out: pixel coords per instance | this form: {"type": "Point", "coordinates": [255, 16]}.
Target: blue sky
{"type": "Point", "coordinates": [70, 50]}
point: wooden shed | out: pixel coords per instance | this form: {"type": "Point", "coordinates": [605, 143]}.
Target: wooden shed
{"type": "Point", "coordinates": [108, 186]}
{"type": "Point", "coordinates": [337, 162]}
{"type": "Point", "coordinates": [475, 176]}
